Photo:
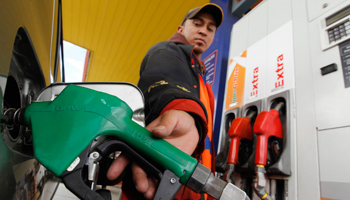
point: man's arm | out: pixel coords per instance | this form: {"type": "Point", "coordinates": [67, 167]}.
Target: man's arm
{"type": "Point", "coordinates": [173, 110]}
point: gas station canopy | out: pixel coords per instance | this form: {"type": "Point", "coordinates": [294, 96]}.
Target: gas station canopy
{"type": "Point", "coordinates": [119, 33]}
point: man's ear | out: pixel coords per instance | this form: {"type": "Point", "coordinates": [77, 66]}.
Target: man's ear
{"type": "Point", "coordinates": [180, 29]}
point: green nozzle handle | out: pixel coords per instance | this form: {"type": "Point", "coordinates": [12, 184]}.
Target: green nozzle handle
{"type": "Point", "coordinates": [63, 128]}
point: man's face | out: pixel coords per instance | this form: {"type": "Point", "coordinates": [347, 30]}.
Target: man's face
{"type": "Point", "coordinates": [199, 31]}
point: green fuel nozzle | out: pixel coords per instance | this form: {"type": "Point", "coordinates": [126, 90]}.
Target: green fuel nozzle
{"type": "Point", "coordinates": [63, 129]}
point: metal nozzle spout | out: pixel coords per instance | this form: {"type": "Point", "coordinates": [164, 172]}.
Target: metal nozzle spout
{"type": "Point", "coordinates": [139, 115]}
{"type": "Point", "coordinates": [251, 114]}
{"type": "Point", "coordinates": [279, 106]}
{"type": "Point", "coordinates": [14, 116]}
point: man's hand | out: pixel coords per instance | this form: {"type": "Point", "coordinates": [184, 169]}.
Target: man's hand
{"type": "Point", "coordinates": [178, 128]}
{"type": "Point", "coordinates": [175, 126]}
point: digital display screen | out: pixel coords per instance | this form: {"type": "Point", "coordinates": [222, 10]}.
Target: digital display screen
{"type": "Point", "coordinates": [338, 15]}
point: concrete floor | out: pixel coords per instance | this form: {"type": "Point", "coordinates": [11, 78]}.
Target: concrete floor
{"type": "Point", "coordinates": [62, 193]}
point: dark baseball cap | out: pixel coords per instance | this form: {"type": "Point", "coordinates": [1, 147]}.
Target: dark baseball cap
{"type": "Point", "coordinates": [211, 8]}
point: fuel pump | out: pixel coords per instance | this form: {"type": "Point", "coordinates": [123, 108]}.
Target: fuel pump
{"type": "Point", "coordinates": [269, 131]}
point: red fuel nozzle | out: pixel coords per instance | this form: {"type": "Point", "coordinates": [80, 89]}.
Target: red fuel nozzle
{"type": "Point", "coordinates": [240, 129]}
{"type": "Point", "coordinates": [267, 124]}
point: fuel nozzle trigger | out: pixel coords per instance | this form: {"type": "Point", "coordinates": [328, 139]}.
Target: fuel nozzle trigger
{"type": "Point", "coordinates": [93, 168]}
{"type": "Point", "coordinates": [75, 180]}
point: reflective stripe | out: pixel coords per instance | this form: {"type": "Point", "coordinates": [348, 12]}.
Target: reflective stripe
{"type": "Point", "coordinates": [204, 97]}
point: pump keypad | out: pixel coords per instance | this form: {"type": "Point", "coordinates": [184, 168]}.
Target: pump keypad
{"type": "Point", "coordinates": [339, 32]}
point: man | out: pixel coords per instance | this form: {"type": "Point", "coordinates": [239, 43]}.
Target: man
{"type": "Point", "coordinates": [179, 105]}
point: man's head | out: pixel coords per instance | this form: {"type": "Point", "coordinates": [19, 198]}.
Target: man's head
{"type": "Point", "coordinates": [199, 26]}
